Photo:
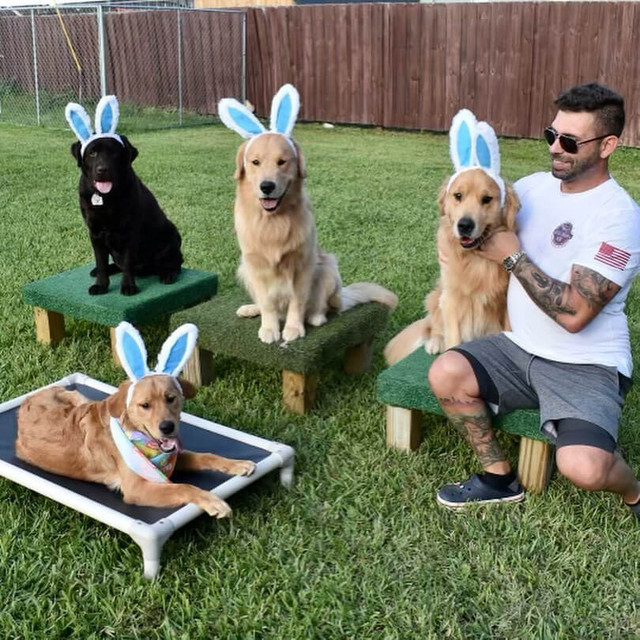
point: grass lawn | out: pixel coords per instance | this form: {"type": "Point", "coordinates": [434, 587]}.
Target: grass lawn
{"type": "Point", "coordinates": [358, 548]}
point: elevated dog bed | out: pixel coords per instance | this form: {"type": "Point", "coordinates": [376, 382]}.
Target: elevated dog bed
{"type": "Point", "coordinates": [67, 294]}
{"type": "Point", "coordinates": [149, 527]}
{"type": "Point", "coordinates": [221, 332]}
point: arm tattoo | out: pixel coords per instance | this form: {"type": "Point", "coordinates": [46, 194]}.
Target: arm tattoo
{"type": "Point", "coordinates": [593, 287]}
{"type": "Point", "coordinates": [552, 296]}
{"type": "Point", "coordinates": [471, 418]}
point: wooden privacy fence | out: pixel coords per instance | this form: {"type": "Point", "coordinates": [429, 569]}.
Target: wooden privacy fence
{"type": "Point", "coordinates": [415, 65]}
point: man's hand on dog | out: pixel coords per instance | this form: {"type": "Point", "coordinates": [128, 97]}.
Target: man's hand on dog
{"type": "Point", "coordinates": [500, 245]}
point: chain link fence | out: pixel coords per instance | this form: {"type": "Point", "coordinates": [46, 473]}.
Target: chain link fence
{"type": "Point", "coordinates": [168, 66]}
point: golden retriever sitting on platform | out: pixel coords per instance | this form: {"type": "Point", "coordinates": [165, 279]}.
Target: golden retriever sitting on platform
{"type": "Point", "coordinates": [470, 299]}
{"type": "Point", "coordinates": [288, 276]}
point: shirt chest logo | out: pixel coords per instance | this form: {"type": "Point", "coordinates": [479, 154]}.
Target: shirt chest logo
{"type": "Point", "coordinates": [562, 234]}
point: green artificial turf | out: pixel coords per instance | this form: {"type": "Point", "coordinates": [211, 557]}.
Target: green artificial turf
{"type": "Point", "coordinates": [403, 385]}
{"type": "Point", "coordinates": [68, 293]}
{"type": "Point", "coordinates": [358, 548]}
{"type": "Point", "coordinates": [223, 333]}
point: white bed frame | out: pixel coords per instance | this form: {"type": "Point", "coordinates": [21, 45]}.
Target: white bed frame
{"type": "Point", "coordinates": [151, 537]}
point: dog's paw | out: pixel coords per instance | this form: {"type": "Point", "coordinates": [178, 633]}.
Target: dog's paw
{"type": "Point", "coordinates": [248, 311]}
{"type": "Point", "coordinates": [241, 468]}
{"type": "Point", "coordinates": [129, 289]}
{"type": "Point", "coordinates": [293, 333]}
{"type": "Point", "coordinates": [214, 506]}
{"type": "Point", "coordinates": [317, 319]}
{"type": "Point", "coordinates": [98, 289]}
{"type": "Point", "coordinates": [169, 278]}
{"type": "Point", "coordinates": [434, 345]}
{"type": "Point", "coordinates": [268, 335]}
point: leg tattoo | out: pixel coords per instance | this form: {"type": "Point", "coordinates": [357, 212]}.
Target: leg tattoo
{"type": "Point", "coordinates": [473, 420]}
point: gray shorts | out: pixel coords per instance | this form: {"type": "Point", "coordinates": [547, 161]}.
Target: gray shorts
{"type": "Point", "coordinates": [588, 392]}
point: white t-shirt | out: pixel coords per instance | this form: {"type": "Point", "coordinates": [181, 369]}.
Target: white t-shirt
{"type": "Point", "coordinates": [598, 229]}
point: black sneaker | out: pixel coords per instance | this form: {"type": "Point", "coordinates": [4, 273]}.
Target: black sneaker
{"type": "Point", "coordinates": [474, 490]}
{"type": "Point", "coordinates": [635, 508]}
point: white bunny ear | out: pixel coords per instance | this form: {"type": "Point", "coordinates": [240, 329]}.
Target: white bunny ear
{"type": "Point", "coordinates": [284, 109]}
{"type": "Point", "coordinates": [79, 121]}
{"type": "Point", "coordinates": [238, 118]}
{"type": "Point", "coordinates": [107, 114]}
{"type": "Point", "coordinates": [462, 136]}
{"type": "Point", "coordinates": [131, 351]}
{"type": "Point", "coordinates": [487, 151]}
{"type": "Point", "coordinates": [177, 349]}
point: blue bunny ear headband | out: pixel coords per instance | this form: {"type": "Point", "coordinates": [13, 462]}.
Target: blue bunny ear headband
{"type": "Point", "coordinates": [173, 356]}
{"type": "Point", "coordinates": [284, 111]}
{"type": "Point", "coordinates": [474, 145]}
{"type": "Point", "coordinates": [106, 121]}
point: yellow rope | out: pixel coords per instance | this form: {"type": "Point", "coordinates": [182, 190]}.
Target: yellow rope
{"type": "Point", "coordinates": [66, 35]}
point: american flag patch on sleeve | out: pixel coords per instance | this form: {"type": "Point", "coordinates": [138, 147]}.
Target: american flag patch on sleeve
{"type": "Point", "coordinates": [614, 257]}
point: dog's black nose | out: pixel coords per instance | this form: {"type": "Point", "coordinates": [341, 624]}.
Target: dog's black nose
{"type": "Point", "coordinates": [266, 186]}
{"type": "Point", "coordinates": [167, 427]}
{"type": "Point", "coordinates": [101, 170]}
{"type": "Point", "coordinates": [466, 226]}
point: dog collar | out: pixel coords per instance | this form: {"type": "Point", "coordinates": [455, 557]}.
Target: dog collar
{"type": "Point", "coordinates": [142, 454]}
{"type": "Point", "coordinates": [497, 179]}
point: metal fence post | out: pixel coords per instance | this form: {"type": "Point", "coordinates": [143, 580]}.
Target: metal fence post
{"type": "Point", "coordinates": [179, 67]}
{"type": "Point", "coordinates": [244, 57]}
{"type": "Point", "coordinates": [35, 66]}
{"type": "Point", "coordinates": [102, 52]}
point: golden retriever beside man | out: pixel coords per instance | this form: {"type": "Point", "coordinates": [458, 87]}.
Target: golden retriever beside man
{"type": "Point", "coordinates": [129, 441]}
{"type": "Point", "coordinates": [286, 273]}
{"type": "Point", "coordinates": [470, 298]}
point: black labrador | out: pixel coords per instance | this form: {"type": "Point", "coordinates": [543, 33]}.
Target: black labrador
{"type": "Point", "coordinates": [124, 218]}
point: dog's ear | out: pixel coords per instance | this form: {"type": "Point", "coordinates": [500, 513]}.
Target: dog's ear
{"type": "Point", "coordinates": [511, 207]}
{"type": "Point", "coordinates": [117, 402]}
{"type": "Point", "coordinates": [188, 390]}
{"type": "Point", "coordinates": [75, 152]}
{"type": "Point", "coordinates": [239, 172]}
{"type": "Point", "coordinates": [302, 167]}
{"type": "Point", "coordinates": [442, 195]}
{"type": "Point", "coordinates": [132, 152]}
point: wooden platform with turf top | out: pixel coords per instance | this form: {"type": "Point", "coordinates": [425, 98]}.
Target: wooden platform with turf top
{"type": "Point", "coordinates": [222, 332]}
{"type": "Point", "coordinates": [67, 294]}
{"type": "Point", "coordinates": [404, 388]}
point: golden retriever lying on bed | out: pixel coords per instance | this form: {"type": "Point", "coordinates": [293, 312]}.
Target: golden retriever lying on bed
{"type": "Point", "coordinates": [283, 268]}
{"type": "Point", "coordinates": [65, 433]}
{"type": "Point", "coordinates": [470, 299]}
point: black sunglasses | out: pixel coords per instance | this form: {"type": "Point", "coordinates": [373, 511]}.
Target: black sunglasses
{"type": "Point", "coordinates": [567, 142]}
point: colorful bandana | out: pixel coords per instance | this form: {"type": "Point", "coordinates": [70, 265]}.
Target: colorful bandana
{"type": "Point", "coordinates": [143, 455]}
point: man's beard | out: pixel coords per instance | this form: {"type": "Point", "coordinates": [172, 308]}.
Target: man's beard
{"type": "Point", "coordinates": [572, 166]}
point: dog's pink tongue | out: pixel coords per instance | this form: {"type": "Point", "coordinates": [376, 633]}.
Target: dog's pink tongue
{"type": "Point", "coordinates": [103, 187]}
{"type": "Point", "coordinates": [169, 444]}
{"type": "Point", "coordinates": [269, 203]}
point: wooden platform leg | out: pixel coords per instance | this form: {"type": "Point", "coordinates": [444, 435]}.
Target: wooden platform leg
{"type": "Point", "coordinates": [535, 464]}
{"type": "Point", "coordinates": [49, 326]}
{"type": "Point", "coordinates": [199, 368]}
{"type": "Point", "coordinates": [358, 358]}
{"type": "Point", "coordinates": [404, 429]}
{"type": "Point", "coordinates": [299, 390]}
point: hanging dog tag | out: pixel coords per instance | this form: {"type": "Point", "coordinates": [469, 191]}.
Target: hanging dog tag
{"type": "Point", "coordinates": [96, 200]}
